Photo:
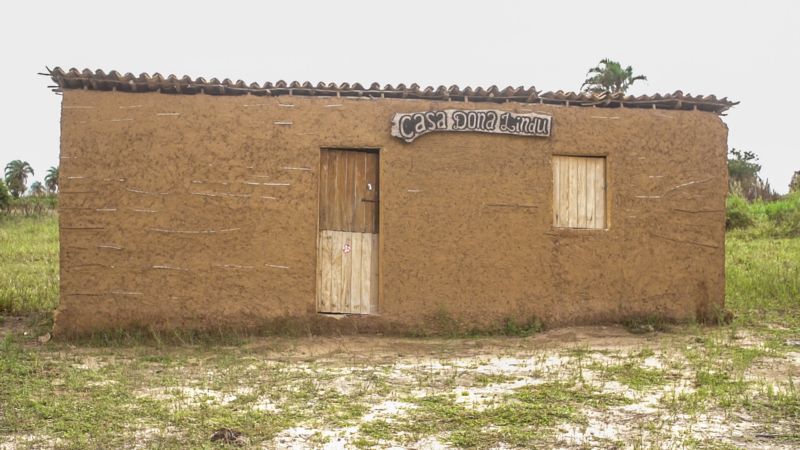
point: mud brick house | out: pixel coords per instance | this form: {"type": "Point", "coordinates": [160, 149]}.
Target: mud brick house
{"type": "Point", "coordinates": [198, 203]}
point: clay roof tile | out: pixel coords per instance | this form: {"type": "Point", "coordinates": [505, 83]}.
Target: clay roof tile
{"type": "Point", "coordinates": [99, 80]}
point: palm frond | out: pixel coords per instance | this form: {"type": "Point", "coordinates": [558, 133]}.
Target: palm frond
{"type": "Point", "coordinates": [610, 76]}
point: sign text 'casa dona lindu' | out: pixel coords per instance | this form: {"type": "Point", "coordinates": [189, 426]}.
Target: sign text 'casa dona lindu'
{"type": "Point", "coordinates": [409, 126]}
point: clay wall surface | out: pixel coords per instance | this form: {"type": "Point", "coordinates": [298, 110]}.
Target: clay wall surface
{"type": "Point", "coordinates": [200, 211]}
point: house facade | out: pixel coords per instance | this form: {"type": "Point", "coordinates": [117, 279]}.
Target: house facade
{"type": "Point", "coordinates": [205, 204]}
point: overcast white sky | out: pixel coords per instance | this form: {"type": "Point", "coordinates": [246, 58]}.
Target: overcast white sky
{"type": "Point", "coordinates": [747, 51]}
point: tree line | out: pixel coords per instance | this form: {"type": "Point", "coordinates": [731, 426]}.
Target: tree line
{"type": "Point", "coordinates": [744, 178]}
{"type": "Point", "coordinates": [14, 186]}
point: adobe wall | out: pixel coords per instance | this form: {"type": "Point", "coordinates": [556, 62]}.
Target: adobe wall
{"type": "Point", "coordinates": [200, 211]}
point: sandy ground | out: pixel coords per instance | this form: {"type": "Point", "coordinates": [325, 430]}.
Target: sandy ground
{"type": "Point", "coordinates": [645, 423]}
{"type": "Point", "coordinates": [415, 368]}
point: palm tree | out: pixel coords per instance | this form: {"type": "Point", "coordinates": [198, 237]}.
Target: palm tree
{"type": "Point", "coordinates": [51, 179]}
{"type": "Point", "coordinates": [609, 76]}
{"type": "Point", "coordinates": [37, 189]}
{"type": "Point", "coordinates": [17, 172]}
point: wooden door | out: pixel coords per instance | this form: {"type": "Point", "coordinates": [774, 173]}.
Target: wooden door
{"type": "Point", "coordinates": [347, 250]}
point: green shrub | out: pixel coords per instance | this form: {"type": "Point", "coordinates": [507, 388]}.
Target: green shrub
{"type": "Point", "coordinates": [788, 223]}
{"type": "Point", "coordinates": [5, 196]}
{"type": "Point", "coordinates": [524, 328]}
{"type": "Point", "coordinates": [785, 215]}
{"type": "Point", "coordinates": [738, 214]}
{"type": "Point", "coordinates": [775, 219]}
{"type": "Point", "coordinates": [775, 210]}
{"type": "Point", "coordinates": [779, 218]}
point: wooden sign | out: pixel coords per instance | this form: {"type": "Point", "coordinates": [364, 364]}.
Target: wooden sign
{"type": "Point", "coordinates": [409, 126]}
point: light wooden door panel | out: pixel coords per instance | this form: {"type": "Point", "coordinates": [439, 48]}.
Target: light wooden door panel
{"type": "Point", "coordinates": [347, 275]}
{"type": "Point", "coordinates": [347, 250]}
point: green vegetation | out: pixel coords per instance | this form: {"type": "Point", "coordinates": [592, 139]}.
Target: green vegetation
{"type": "Point", "coordinates": [5, 196]}
{"type": "Point", "coordinates": [737, 214]}
{"type": "Point", "coordinates": [28, 264]}
{"type": "Point", "coordinates": [744, 179]}
{"type": "Point", "coordinates": [16, 176]}
{"type": "Point", "coordinates": [609, 76]}
{"type": "Point", "coordinates": [30, 206]}
{"type": "Point", "coordinates": [632, 374]}
{"type": "Point", "coordinates": [763, 281]}
{"type": "Point", "coordinates": [647, 324]}
{"type": "Point", "coordinates": [37, 189]}
{"type": "Point", "coordinates": [524, 328]}
{"type": "Point", "coordinates": [41, 198]}
{"type": "Point", "coordinates": [85, 402]}
{"type": "Point", "coordinates": [443, 323]}
{"type": "Point", "coordinates": [759, 219]}
{"type": "Point", "coordinates": [494, 378]}
{"type": "Point", "coordinates": [743, 166]}
{"type": "Point", "coordinates": [794, 184]}
{"type": "Point", "coordinates": [523, 418]}
{"type": "Point", "coordinates": [51, 179]}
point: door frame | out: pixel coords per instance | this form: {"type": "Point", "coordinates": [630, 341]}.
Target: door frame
{"type": "Point", "coordinates": [377, 150]}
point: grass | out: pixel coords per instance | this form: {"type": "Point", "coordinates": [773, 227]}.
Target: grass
{"type": "Point", "coordinates": [764, 220]}
{"type": "Point", "coordinates": [632, 374]}
{"type": "Point", "coordinates": [172, 390]}
{"type": "Point", "coordinates": [91, 401]}
{"type": "Point", "coordinates": [777, 210]}
{"type": "Point", "coordinates": [28, 264]}
{"type": "Point", "coordinates": [484, 379]}
{"type": "Point", "coordinates": [763, 281]}
{"type": "Point", "coordinates": [763, 263]}
{"type": "Point", "coordinates": [523, 418]}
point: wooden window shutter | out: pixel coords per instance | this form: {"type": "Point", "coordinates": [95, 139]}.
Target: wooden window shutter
{"type": "Point", "coordinates": [579, 192]}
